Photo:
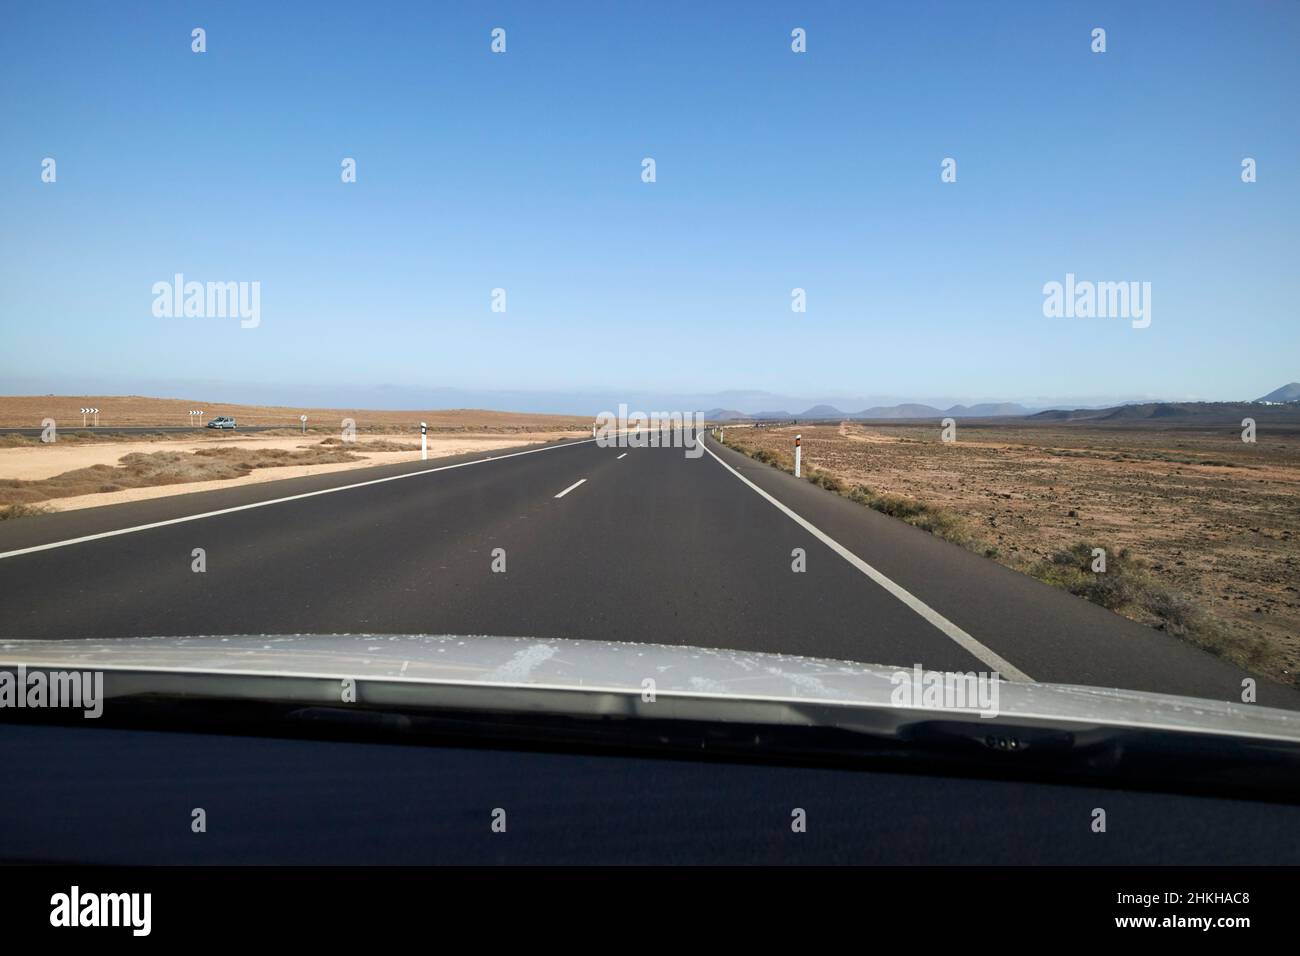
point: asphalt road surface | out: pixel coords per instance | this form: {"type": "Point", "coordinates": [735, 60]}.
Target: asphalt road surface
{"type": "Point", "coordinates": [626, 544]}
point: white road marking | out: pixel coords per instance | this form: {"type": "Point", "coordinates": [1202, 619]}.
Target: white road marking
{"type": "Point", "coordinates": [277, 501]}
{"type": "Point", "coordinates": [621, 457]}
{"type": "Point", "coordinates": [570, 488]}
{"type": "Point", "coordinates": [985, 654]}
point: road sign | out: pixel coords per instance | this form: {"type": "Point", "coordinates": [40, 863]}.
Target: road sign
{"type": "Point", "coordinates": [89, 411]}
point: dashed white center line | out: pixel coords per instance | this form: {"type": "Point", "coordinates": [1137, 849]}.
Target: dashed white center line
{"type": "Point", "coordinates": [620, 457]}
{"type": "Point", "coordinates": [570, 488]}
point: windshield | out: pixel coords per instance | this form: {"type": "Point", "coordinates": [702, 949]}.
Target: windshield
{"type": "Point", "coordinates": [818, 332]}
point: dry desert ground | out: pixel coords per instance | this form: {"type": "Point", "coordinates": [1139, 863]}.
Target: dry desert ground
{"type": "Point", "coordinates": [1205, 519]}
{"type": "Point", "coordinates": [81, 470]}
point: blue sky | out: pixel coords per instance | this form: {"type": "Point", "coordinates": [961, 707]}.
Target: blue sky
{"type": "Point", "coordinates": [775, 171]}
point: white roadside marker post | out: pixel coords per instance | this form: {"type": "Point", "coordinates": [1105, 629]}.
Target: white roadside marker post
{"type": "Point", "coordinates": [424, 442]}
{"type": "Point", "coordinates": [798, 452]}
{"type": "Point", "coordinates": [303, 419]}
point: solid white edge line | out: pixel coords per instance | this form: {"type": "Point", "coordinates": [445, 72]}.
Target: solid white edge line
{"type": "Point", "coordinates": [570, 488]}
{"type": "Point", "coordinates": [983, 653]}
{"type": "Point", "coordinates": [277, 501]}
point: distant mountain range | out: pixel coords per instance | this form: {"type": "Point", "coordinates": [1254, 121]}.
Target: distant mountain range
{"type": "Point", "coordinates": [1198, 413]}
{"type": "Point", "coordinates": [1287, 393]}
{"type": "Point", "coordinates": [733, 405]}
{"type": "Point", "coordinates": [831, 413]}
{"type": "Point", "coordinates": [1208, 412]}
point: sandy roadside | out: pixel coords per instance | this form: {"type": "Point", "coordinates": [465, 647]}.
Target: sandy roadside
{"type": "Point", "coordinates": [85, 455]}
{"type": "Point", "coordinates": [34, 462]}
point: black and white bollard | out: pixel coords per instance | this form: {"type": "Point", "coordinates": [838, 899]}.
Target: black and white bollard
{"type": "Point", "coordinates": [424, 442]}
{"type": "Point", "coordinates": [798, 452]}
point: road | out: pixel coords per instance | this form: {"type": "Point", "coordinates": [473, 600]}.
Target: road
{"type": "Point", "coordinates": [627, 544]}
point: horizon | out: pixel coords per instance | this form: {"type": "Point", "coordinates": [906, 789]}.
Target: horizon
{"type": "Point", "coordinates": [539, 403]}
{"type": "Point", "coordinates": [776, 171]}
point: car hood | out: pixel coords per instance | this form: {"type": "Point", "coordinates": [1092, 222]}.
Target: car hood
{"type": "Point", "coordinates": [602, 677]}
